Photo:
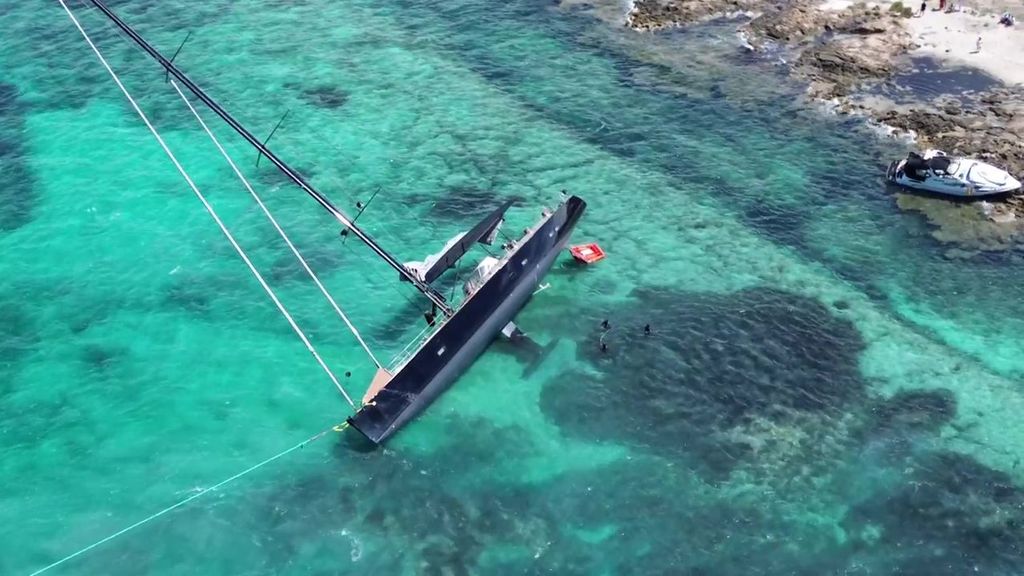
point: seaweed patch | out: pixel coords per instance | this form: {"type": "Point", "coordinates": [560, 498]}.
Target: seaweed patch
{"type": "Point", "coordinates": [17, 333]}
{"type": "Point", "coordinates": [18, 338]}
{"type": "Point", "coordinates": [462, 203]}
{"type": "Point", "coordinates": [447, 515]}
{"type": "Point", "coordinates": [714, 370]}
{"type": "Point", "coordinates": [17, 190]}
{"type": "Point", "coordinates": [330, 97]}
{"type": "Point", "coordinates": [780, 223]}
{"type": "Point", "coordinates": [101, 357]}
{"type": "Point", "coordinates": [914, 410]}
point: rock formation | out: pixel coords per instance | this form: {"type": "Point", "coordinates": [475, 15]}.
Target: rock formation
{"type": "Point", "coordinates": [839, 51]}
{"type": "Point", "coordinates": [657, 14]}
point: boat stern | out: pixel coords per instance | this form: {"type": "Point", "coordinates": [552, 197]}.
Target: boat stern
{"type": "Point", "coordinates": [890, 172]}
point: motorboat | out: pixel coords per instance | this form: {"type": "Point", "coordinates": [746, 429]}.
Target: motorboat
{"type": "Point", "coordinates": [964, 178]}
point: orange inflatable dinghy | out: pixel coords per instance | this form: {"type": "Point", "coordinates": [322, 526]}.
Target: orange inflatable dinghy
{"type": "Point", "coordinates": [587, 253]}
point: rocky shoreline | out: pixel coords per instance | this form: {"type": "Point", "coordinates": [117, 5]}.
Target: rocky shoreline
{"type": "Point", "coordinates": [843, 51]}
{"type": "Point", "coordinates": [649, 15]}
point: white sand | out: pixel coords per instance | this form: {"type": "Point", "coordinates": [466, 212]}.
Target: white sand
{"type": "Point", "coordinates": [952, 38]}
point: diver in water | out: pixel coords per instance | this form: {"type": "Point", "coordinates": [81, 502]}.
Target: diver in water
{"type": "Point", "coordinates": [647, 330]}
{"type": "Point", "coordinates": [606, 327]}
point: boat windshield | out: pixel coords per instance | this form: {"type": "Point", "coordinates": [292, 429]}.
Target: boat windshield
{"type": "Point", "coordinates": [915, 167]}
{"type": "Point", "coordinates": [942, 165]}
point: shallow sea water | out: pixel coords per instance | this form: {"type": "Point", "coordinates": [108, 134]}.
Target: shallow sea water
{"type": "Point", "coordinates": [823, 392]}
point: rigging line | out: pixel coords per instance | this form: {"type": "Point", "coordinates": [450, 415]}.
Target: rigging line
{"type": "Point", "coordinates": [181, 503]}
{"type": "Point", "coordinates": [392, 284]}
{"type": "Point", "coordinates": [209, 208]}
{"type": "Point", "coordinates": [340, 216]}
{"type": "Point", "coordinates": [273, 221]}
{"type": "Point", "coordinates": [456, 284]}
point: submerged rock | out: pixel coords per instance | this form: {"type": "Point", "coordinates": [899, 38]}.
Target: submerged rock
{"type": "Point", "coordinates": [967, 227]}
{"type": "Point", "coordinates": [839, 67]}
{"type": "Point", "coordinates": [914, 410]}
{"type": "Point", "coordinates": [988, 126]}
{"type": "Point", "coordinates": [977, 129]}
{"type": "Point", "coordinates": [922, 121]}
{"type": "Point", "coordinates": [949, 515]}
{"type": "Point", "coordinates": [791, 23]}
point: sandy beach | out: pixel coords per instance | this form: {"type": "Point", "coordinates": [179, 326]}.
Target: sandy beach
{"type": "Point", "coordinates": [952, 38]}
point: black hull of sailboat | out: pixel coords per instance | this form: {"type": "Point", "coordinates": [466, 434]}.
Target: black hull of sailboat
{"type": "Point", "coordinates": [468, 332]}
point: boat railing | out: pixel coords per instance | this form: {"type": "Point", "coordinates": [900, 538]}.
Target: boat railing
{"type": "Point", "coordinates": [412, 347]}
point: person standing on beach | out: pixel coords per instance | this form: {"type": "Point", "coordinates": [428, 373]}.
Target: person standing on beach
{"type": "Point", "coordinates": [924, 6]}
{"type": "Point", "coordinates": [977, 46]}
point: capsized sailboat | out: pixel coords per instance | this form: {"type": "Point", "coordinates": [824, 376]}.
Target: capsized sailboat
{"type": "Point", "coordinates": [499, 287]}
{"type": "Point", "coordinates": [497, 290]}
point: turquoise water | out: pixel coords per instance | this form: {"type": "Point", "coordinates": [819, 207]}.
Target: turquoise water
{"type": "Point", "coordinates": [823, 392]}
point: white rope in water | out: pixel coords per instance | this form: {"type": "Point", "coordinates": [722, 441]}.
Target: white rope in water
{"type": "Point", "coordinates": [209, 208]}
{"type": "Point", "coordinates": [273, 221]}
{"type": "Point", "coordinates": [181, 503]}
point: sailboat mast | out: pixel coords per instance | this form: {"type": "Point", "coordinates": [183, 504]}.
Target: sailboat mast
{"type": "Point", "coordinates": [294, 176]}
